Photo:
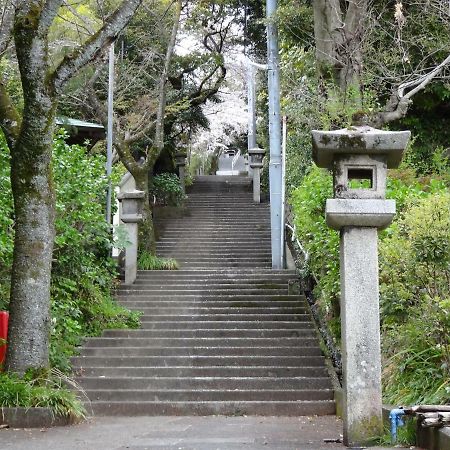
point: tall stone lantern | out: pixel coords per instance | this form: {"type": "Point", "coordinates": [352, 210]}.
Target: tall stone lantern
{"type": "Point", "coordinates": [180, 159]}
{"type": "Point", "coordinates": [256, 164]}
{"type": "Point", "coordinates": [359, 158]}
{"type": "Point", "coordinates": [131, 215]}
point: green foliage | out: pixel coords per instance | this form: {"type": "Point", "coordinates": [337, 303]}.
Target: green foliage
{"type": "Point", "coordinates": [83, 274]}
{"type": "Point", "coordinates": [6, 224]}
{"type": "Point", "coordinates": [320, 241]}
{"type": "Point", "coordinates": [166, 189]}
{"type": "Point", "coordinates": [41, 390]}
{"type": "Point", "coordinates": [415, 303]}
{"type": "Point", "coordinates": [414, 276]}
{"type": "Point", "coordinates": [147, 261]}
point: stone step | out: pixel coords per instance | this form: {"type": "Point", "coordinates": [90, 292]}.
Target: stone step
{"type": "Point", "coordinates": [200, 351]}
{"type": "Point", "coordinates": [213, 281]}
{"type": "Point", "coordinates": [209, 372]}
{"type": "Point", "coordinates": [263, 319]}
{"type": "Point", "coordinates": [216, 324]}
{"type": "Point", "coordinates": [234, 299]}
{"type": "Point", "coordinates": [252, 272]}
{"type": "Point", "coordinates": [262, 383]}
{"type": "Point", "coordinates": [200, 305]}
{"type": "Point", "coordinates": [213, 332]}
{"type": "Point", "coordinates": [195, 341]}
{"type": "Point", "coordinates": [194, 311]}
{"type": "Point", "coordinates": [133, 289]}
{"type": "Point", "coordinates": [221, 335]}
{"type": "Point", "coordinates": [231, 408]}
{"type": "Point", "coordinates": [195, 360]}
{"type": "Point", "coordinates": [214, 253]}
{"type": "Point", "coordinates": [144, 395]}
{"type": "Point", "coordinates": [177, 285]}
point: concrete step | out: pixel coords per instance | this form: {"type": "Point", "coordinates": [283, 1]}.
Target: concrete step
{"type": "Point", "coordinates": [208, 372]}
{"type": "Point", "coordinates": [196, 361]}
{"type": "Point", "coordinates": [200, 351]}
{"type": "Point", "coordinates": [262, 383]}
{"type": "Point", "coordinates": [306, 331]}
{"type": "Point", "coordinates": [207, 300]}
{"type": "Point", "coordinates": [133, 289]}
{"type": "Point", "coordinates": [144, 395]}
{"type": "Point", "coordinates": [231, 408]}
{"type": "Point", "coordinates": [219, 336]}
{"type": "Point", "coordinates": [136, 302]}
{"type": "Point", "coordinates": [176, 285]}
{"type": "Point", "coordinates": [195, 341]}
{"type": "Point", "coordinates": [298, 319]}
{"type": "Point", "coordinates": [199, 310]}
{"type": "Point", "coordinates": [224, 325]}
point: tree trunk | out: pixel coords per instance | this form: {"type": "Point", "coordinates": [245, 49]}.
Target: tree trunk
{"type": "Point", "coordinates": [147, 242]}
{"type": "Point", "coordinates": [34, 203]}
{"type": "Point", "coordinates": [338, 37]}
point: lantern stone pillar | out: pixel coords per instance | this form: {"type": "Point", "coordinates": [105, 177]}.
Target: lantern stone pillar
{"type": "Point", "coordinates": [256, 163]}
{"type": "Point", "coordinates": [131, 215]}
{"type": "Point", "coordinates": [359, 158]}
{"type": "Point", "coordinates": [180, 159]}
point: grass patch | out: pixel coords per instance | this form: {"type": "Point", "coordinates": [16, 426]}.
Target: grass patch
{"type": "Point", "coordinates": [406, 435]}
{"type": "Point", "coordinates": [44, 389]}
{"type": "Point", "coordinates": [147, 261]}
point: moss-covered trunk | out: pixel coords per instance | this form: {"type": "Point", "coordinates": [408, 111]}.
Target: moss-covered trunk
{"type": "Point", "coordinates": [34, 203]}
{"type": "Point", "coordinates": [146, 228]}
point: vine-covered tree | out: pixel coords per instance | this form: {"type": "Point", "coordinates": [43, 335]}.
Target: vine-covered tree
{"type": "Point", "coordinates": [26, 26]}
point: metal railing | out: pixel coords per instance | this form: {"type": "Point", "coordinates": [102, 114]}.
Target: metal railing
{"type": "Point", "coordinates": [235, 158]}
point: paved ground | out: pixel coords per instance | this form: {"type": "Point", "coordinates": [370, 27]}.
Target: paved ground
{"type": "Point", "coordinates": [199, 433]}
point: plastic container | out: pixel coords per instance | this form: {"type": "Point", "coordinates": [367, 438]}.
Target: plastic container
{"type": "Point", "coordinates": [4, 318]}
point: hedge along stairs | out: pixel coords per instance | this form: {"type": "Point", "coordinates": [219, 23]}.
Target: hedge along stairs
{"type": "Point", "coordinates": [222, 335]}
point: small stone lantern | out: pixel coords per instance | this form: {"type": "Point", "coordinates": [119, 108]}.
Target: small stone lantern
{"type": "Point", "coordinates": [359, 158]}
{"type": "Point", "coordinates": [180, 159]}
{"type": "Point", "coordinates": [131, 215]}
{"type": "Point", "coordinates": [256, 164]}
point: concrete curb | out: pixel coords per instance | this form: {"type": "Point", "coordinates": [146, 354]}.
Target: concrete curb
{"type": "Point", "coordinates": [34, 418]}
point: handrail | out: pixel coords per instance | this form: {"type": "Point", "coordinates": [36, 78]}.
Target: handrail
{"type": "Point", "coordinates": [235, 158]}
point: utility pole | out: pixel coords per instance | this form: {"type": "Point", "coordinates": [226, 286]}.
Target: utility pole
{"type": "Point", "coordinates": [109, 143]}
{"type": "Point", "coordinates": [275, 166]}
{"type": "Point", "coordinates": [251, 98]}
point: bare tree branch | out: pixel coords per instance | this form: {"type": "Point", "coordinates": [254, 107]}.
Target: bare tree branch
{"type": "Point", "coordinates": [95, 45]}
{"type": "Point", "coordinates": [398, 105]}
{"type": "Point", "coordinates": [10, 120]}
{"type": "Point", "coordinates": [6, 26]}
{"type": "Point", "coordinates": [159, 131]}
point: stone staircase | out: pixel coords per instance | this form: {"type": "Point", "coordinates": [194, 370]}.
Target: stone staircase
{"type": "Point", "coordinates": [222, 335]}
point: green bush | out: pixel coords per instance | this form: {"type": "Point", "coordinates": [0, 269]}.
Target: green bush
{"type": "Point", "coordinates": [414, 279]}
{"type": "Point", "coordinates": [45, 390]}
{"type": "Point", "coordinates": [83, 274]}
{"type": "Point", "coordinates": [166, 190]}
{"type": "Point", "coordinates": [147, 261]}
{"type": "Point", "coordinates": [6, 224]}
{"type": "Point", "coordinates": [415, 303]}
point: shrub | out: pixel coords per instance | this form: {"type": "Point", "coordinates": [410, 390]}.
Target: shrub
{"type": "Point", "coordinates": [415, 303]}
{"type": "Point", "coordinates": [147, 261]}
{"type": "Point", "coordinates": [40, 390]}
{"type": "Point", "coordinates": [166, 189]}
{"type": "Point", "coordinates": [83, 274]}
{"type": "Point", "coordinates": [414, 279]}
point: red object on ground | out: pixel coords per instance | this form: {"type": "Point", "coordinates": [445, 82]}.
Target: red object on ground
{"type": "Point", "coordinates": [4, 317]}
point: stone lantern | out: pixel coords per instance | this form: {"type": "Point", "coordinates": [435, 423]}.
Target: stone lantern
{"type": "Point", "coordinates": [359, 158]}
{"type": "Point", "coordinates": [256, 164]}
{"type": "Point", "coordinates": [180, 159]}
{"type": "Point", "coordinates": [131, 215]}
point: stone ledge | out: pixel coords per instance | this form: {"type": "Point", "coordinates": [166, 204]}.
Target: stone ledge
{"type": "Point", "coordinates": [34, 418]}
{"type": "Point", "coordinates": [433, 438]}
